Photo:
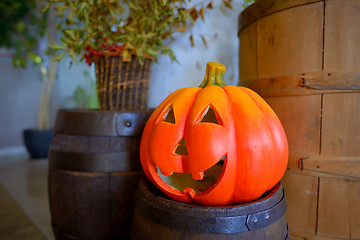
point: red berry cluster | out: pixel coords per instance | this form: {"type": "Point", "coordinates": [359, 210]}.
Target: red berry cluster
{"type": "Point", "coordinates": [92, 54]}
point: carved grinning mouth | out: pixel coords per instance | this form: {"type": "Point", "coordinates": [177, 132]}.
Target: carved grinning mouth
{"type": "Point", "coordinates": [181, 181]}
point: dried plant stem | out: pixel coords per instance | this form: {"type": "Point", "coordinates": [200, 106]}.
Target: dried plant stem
{"type": "Point", "coordinates": [47, 80]}
{"type": "Point", "coordinates": [46, 86]}
{"type": "Point", "coordinates": [42, 119]}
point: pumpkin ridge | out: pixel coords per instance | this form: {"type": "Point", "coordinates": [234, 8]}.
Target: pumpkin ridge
{"type": "Point", "coordinates": [235, 134]}
{"type": "Point", "coordinates": [277, 156]}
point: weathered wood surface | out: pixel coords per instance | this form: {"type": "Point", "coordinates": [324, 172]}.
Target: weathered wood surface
{"type": "Point", "coordinates": [341, 124]}
{"type": "Point", "coordinates": [347, 167]}
{"type": "Point", "coordinates": [301, 195]}
{"type": "Point", "coordinates": [264, 8]}
{"type": "Point", "coordinates": [91, 205]}
{"type": "Point", "coordinates": [304, 60]}
{"type": "Point", "coordinates": [338, 199]}
{"type": "Point", "coordinates": [322, 206]}
{"type": "Point", "coordinates": [283, 49]}
{"type": "Point", "coordinates": [248, 54]}
{"type": "Point", "coordinates": [305, 84]}
{"type": "Point", "coordinates": [301, 119]}
{"type": "Point", "coordinates": [341, 45]}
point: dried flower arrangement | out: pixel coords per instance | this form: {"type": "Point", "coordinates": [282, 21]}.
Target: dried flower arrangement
{"type": "Point", "coordinates": [95, 28]}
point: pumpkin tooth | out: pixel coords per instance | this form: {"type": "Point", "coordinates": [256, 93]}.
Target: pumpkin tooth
{"type": "Point", "coordinates": [163, 172]}
{"type": "Point", "coordinates": [198, 175]}
{"type": "Point", "coordinates": [190, 191]}
{"type": "Point", "coordinates": [166, 173]}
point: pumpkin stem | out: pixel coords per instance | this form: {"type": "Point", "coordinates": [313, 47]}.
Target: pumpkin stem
{"type": "Point", "coordinates": [214, 75]}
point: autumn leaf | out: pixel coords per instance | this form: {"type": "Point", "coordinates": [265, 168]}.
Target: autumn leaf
{"type": "Point", "coordinates": [192, 40]}
{"type": "Point", "coordinates": [181, 29]}
{"type": "Point", "coordinates": [202, 13]}
{"type": "Point", "coordinates": [204, 41]}
{"type": "Point", "coordinates": [126, 57]}
{"type": "Point", "coordinates": [227, 4]}
{"type": "Point", "coordinates": [194, 14]}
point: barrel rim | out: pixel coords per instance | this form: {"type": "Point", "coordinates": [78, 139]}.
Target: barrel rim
{"type": "Point", "coordinates": [268, 200]}
{"type": "Point", "coordinates": [89, 122]}
{"type": "Point", "coordinates": [205, 219]}
{"type": "Point", "coordinates": [101, 111]}
{"type": "Point", "coordinates": [262, 8]}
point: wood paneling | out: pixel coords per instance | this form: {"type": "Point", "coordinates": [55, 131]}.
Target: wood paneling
{"type": "Point", "coordinates": [341, 124]}
{"type": "Point", "coordinates": [247, 53]}
{"type": "Point", "coordinates": [341, 45]}
{"type": "Point", "coordinates": [301, 196]}
{"type": "Point", "coordinates": [334, 205]}
{"type": "Point", "coordinates": [305, 236]}
{"type": "Point", "coordinates": [304, 84]}
{"type": "Point", "coordinates": [308, 70]}
{"type": "Point", "coordinates": [347, 167]}
{"type": "Point", "coordinates": [354, 203]}
{"type": "Point", "coordinates": [290, 41]}
{"type": "Point", "coordinates": [300, 117]}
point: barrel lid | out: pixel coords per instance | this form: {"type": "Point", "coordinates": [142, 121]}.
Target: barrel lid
{"type": "Point", "coordinates": [101, 123]}
{"type": "Point", "coordinates": [263, 8]}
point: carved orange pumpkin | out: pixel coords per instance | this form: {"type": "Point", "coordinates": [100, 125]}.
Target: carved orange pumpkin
{"type": "Point", "coordinates": [215, 144]}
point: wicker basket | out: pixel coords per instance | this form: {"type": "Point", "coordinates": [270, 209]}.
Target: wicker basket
{"type": "Point", "coordinates": [122, 85]}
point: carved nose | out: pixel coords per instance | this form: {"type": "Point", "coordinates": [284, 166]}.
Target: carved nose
{"type": "Point", "coordinates": [181, 148]}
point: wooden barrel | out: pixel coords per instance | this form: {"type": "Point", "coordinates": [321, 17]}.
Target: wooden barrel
{"type": "Point", "coordinates": [303, 57]}
{"type": "Point", "coordinates": [156, 217]}
{"type": "Point", "coordinates": [94, 169]}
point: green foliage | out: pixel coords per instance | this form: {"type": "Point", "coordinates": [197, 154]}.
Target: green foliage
{"type": "Point", "coordinates": [22, 25]}
{"type": "Point", "coordinates": [86, 96]}
{"type": "Point", "coordinates": [140, 25]}
{"type": "Point", "coordinates": [248, 3]}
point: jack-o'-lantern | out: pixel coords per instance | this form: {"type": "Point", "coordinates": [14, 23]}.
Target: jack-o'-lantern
{"type": "Point", "coordinates": [214, 144]}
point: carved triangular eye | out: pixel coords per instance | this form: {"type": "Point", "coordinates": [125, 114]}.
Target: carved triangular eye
{"type": "Point", "coordinates": [209, 115]}
{"type": "Point", "coordinates": [180, 148]}
{"type": "Point", "coordinates": [169, 115]}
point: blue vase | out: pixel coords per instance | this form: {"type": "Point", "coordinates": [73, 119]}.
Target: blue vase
{"type": "Point", "coordinates": [37, 142]}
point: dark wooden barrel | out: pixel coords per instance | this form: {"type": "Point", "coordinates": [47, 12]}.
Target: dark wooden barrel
{"type": "Point", "coordinates": [157, 217]}
{"type": "Point", "coordinates": [94, 169]}
{"type": "Point", "coordinates": [303, 58]}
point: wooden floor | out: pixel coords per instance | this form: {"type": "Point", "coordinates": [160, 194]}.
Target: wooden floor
{"type": "Point", "coordinates": [14, 224]}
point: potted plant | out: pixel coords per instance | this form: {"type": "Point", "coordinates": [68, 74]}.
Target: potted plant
{"type": "Point", "coordinates": [123, 38]}
{"type": "Point", "coordinates": [23, 30]}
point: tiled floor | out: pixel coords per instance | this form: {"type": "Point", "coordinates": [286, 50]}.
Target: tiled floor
{"type": "Point", "coordinates": [26, 182]}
